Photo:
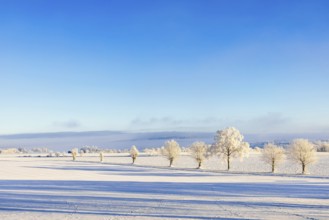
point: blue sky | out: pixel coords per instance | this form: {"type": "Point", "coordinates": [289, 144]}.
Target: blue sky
{"type": "Point", "coordinates": [261, 66]}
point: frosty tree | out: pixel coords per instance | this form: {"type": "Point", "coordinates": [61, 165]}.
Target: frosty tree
{"type": "Point", "coordinates": [302, 152]}
{"type": "Point", "coordinates": [273, 155]}
{"type": "Point", "coordinates": [229, 144]}
{"type": "Point", "coordinates": [74, 153]}
{"type": "Point", "coordinates": [134, 153]}
{"type": "Point", "coordinates": [171, 151]}
{"type": "Point", "coordinates": [101, 156]}
{"type": "Point", "coordinates": [199, 152]}
{"type": "Point", "coordinates": [322, 146]}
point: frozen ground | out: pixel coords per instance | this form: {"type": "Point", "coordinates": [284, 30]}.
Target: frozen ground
{"type": "Point", "coordinates": [58, 188]}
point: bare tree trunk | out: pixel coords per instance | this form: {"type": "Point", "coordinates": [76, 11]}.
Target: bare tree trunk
{"type": "Point", "coordinates": [199, 164]}
{"type": "Point", "coordinates": [171, 160]}
{"type": "Point", "coordinates": [134, 158]}
{"type": "Point", "coordinates": [228, 163]}
{"type": "Point", "coordinates": [304, 168]}
{"type": "Point", "coordinates": [273, 165]}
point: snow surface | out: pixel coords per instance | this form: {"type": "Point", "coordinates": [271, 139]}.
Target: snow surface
{"type": "Point", "coordinates": [58, 188]}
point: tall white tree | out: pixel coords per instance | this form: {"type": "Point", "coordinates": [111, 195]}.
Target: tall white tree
{"type": "Point", "coordinates": [171, 151]}
{"type": "Point", "coordinates": [134, 153]}
{"type": "Point", "coordinates": [303, 152]}
{"type": "Point", "coordinates": [273, 155]}
{"type": "Point", "coordinates": [229, 144]}
{"type": "Point", "coordinates": [199, 151]}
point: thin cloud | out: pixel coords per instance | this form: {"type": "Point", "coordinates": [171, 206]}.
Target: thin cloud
{"type": "Point", "coordinates": [270, 122]}
{"type": "Point", "coordinates": [67, 124]}
{"type": "Point", "coordinates": [170, 123]}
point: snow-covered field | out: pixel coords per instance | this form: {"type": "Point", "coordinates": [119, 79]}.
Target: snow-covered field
{"type": "Point", "coordinates": [58, 188]}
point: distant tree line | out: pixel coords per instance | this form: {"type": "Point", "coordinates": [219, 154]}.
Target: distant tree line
{"type": "Point", "coordinates": [229, 145]}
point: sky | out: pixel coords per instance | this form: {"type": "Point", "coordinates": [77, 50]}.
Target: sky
{"type": "Point", "coordinates": [174, 65]}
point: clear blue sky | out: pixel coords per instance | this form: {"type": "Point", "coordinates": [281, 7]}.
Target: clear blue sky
{"type": "Point", "coordinates": [262, 66]}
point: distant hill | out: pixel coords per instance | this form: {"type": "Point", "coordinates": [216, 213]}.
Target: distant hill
{"type": "Point", "coordinates": [121, 140]}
